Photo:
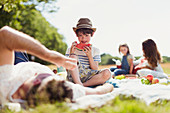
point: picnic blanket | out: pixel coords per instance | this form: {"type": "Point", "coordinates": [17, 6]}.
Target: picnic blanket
{"type": "Point", "coordinates": [128, 87]}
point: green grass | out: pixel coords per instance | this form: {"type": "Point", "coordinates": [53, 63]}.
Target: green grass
{"type": "Point", "coordinates": [167, 71]}
{"type": "Point", "coordinates": [118, 105]}
{"type": "Point", "coordinates": [166, 68]}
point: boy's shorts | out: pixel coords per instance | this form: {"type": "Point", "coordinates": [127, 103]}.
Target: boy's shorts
{"type": "Point", "coordinates": [84, 73]}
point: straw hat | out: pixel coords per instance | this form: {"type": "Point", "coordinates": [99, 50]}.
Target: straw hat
{"type": "Point", "coordinates": [84, 23]}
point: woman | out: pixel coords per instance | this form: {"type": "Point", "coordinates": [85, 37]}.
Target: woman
{"type": "Point", "coordinates": [150, 64]}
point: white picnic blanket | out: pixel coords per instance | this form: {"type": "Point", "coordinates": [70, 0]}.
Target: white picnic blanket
{"type": "Point", "coordinates": [134, 87]}
{"type": "Point", "coordinates": [128, 87]}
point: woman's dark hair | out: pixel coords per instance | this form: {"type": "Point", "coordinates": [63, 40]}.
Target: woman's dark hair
{"type": "Point", "coordinates": [151, 52]}
{"type": "Point", "coordinates": [124, 45]}
{"type": "Point", "coordinates": [52, 92]}
{"type": "Point", "coordinates": [85, 31]}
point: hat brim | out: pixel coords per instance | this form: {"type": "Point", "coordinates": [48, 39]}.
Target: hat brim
{"type": "Point", "coordinates": [74, 29]}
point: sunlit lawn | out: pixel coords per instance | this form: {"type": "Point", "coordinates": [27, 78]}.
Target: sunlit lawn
{"type": "Point", "coordinates": [117, 105]}
{"type": "Point", "coordinates": [165, 66]}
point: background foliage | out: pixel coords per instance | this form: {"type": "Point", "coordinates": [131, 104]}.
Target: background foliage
{"type": "Point", "coordinates": [107, 59]}
{"type": "Point", "coordinates": [166, 59]}
{"type": "Point", "coordinates": [25, 16]}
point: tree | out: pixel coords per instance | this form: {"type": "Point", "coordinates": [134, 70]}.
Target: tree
{"type": "Point", "coordinates": [24, 16]}
{"type": "Point", "coordinates": [10, 10]}
{"type": "Point", "coordinates": [166, 59]}
{"type": "Point", "coordinates": [34, 24]}
{"type": "Point", "coordinates": [106, 59]}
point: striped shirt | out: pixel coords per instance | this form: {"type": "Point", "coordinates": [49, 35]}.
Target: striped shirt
{"type": "Point", "coordinates": [82, 57]}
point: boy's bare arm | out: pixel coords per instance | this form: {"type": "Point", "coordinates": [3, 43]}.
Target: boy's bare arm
{"type": "Point", "coordinates": [88, 52]}
{"type": "Point", "coordinates": [11, 39]}
{"type": "Point", "coordinates": [93, 64]}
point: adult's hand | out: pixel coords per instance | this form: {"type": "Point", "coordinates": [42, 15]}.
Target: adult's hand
{"type": "Point", "coordinates": [69, 63]}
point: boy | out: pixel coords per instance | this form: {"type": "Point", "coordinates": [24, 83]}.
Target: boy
{"type": "Point", "coordinates": [86, 73]}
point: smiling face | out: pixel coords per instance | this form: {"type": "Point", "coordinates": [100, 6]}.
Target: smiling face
{"type": "Point", "coordinates": [124, 50]}
{"type": "Point", "coordinates": [84, 38]}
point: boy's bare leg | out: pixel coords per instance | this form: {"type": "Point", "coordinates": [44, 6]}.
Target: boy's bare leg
{"type": "Point", "coordinates": [75, 73]}
{"type": "Point", "coordinates": [100, 78]}
{"type": "Point", "coordinates": [106, 88]}
{"type": "Point", "coordinates": [11, 40]}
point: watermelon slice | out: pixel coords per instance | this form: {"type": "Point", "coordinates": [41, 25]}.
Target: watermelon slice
{"type": "Point", "coordinates": [81, 46]}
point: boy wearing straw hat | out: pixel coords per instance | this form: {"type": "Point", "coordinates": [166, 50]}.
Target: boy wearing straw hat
{"type": "Point", "coordinates": [86, 73]}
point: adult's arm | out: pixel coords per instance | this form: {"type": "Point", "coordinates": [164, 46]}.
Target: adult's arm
{"type": "Point", "coordinates": [11, 39]}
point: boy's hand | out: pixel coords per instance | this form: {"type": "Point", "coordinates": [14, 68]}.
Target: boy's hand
{"type": "Point", "coordinates": [73, 47]}
{"type": "Point", "coordinates": [87, 51]}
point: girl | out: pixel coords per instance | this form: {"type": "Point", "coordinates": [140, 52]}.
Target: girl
{"type": "Point", "coordinates": [150, 63]}
{"type": "Point", "coordinates": [126, 63]}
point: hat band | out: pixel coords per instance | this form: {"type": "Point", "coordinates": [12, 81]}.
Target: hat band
{"type": "Point", "coordinates": [84, 26]}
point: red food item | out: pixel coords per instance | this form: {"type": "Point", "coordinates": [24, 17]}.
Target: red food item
{"type": "Point", "coordinates": [155, 80]}
{"type": "Point", "coordinates": [149, 77]}
{"type": "Point", "coordinates": [81, 46]}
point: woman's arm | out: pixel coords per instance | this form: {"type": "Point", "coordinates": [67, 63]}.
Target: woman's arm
{"type": "Point", "coordinates": [143, 67]}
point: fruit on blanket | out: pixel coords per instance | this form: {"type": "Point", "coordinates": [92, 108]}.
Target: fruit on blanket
{"type": "Point", "coordinates": [120, 77]}
{"type": "Point", "coordinates": [149, 77]}
{"type": "Point", "coordinates": [81, 46]}
{"type": "Point", "coordinates": [145, 81]}
{"type": "Point", "coordinates": [148, 80]}
{"type": "Point", "coordinates": [155, 80]}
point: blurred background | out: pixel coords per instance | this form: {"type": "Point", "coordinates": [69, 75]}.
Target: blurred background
{"type": "Point", "coordinates": [117, 22]}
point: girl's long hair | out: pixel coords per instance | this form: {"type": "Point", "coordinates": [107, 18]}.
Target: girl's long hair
{"type": "Point", "coordinates": [151, 52]}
